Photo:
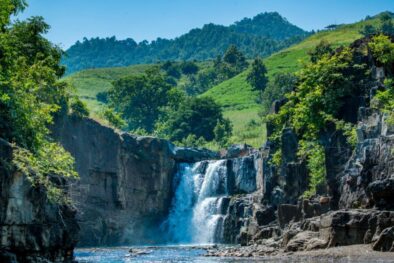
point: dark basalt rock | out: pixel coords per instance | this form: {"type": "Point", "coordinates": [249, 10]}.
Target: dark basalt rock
{"type": "Point", "coordinates": [365, 180]}
{"type": "Point", "coordinates": [349, 227]}
{"type": "Point", "coordinates": [191, 155]}
{"type": "Point", "coordinates": [385, 241]}
{"type": "Point", "coordinates": [125, 186]}
{"type": "Point", "coordinates": [32, 229]}
{"type": "Point", "coordinates": [238, 150]}
{"type": "Point", "coordinates": [381, 193]}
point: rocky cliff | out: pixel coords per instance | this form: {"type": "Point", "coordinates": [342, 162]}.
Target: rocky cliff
{"type": "Point", "coordinates": [274, 220]}
{"type": "Point", "coordinates": [354, 206]}
{"type": "Point", "coordinates": [32, 229]}
{"type": "Point", "coordinates": [125, 186]}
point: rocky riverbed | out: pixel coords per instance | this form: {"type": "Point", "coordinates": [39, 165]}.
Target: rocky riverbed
{"type": "Point", "coordinates": [353, 253]}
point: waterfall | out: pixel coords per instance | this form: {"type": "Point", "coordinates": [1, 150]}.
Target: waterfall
{"type": "Point", "coordinates": [196, 214]}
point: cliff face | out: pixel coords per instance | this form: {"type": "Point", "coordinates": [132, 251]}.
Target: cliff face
{"type": "Point", "coordinates": [125, 186]}
{"type": "Point", "coordinates": [368, 177]}
{"type": "Point", "coordinates": [31, 228]}
{"type": "Point", "coordinates": [354, 207]}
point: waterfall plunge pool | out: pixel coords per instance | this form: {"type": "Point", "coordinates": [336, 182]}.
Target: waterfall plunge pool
{"type": "Point", "coordinates": [197, 215]}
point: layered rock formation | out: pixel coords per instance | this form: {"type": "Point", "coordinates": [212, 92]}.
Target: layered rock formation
{"type": "Point", "coordinates": [125, 186]}
{"type": "Point", "coordinates": [355, 206]}
{"type": "Point", "coordinates": [32, 229]}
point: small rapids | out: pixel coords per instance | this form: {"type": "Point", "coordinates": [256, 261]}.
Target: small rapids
{"type": "Point", "coordinates": [196, 215]}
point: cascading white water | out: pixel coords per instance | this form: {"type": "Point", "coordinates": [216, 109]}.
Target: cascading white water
{"type": "Point", "coordinates": [196, 209]}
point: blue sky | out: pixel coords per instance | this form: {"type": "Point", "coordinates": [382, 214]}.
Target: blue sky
{"type": "Point", "coordinates": [71, 20]}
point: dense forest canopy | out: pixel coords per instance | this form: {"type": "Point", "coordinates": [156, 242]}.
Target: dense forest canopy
{"type": "Point", "coordinates": [260, 36]}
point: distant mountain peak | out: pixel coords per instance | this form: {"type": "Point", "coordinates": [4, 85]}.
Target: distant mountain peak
{"type": "Point", "coordinates": [268, 24]}
{"type": "Point", "coordinates": [261, 35]}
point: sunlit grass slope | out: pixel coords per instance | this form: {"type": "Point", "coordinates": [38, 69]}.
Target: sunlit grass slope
{"type": "Point", "coordinates": [88, 83]}
{"type": "Point", "coordinates": [240, 102]}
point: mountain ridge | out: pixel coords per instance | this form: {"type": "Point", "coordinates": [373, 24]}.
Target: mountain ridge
{"type": "Point", "coordinates": [252, 36]}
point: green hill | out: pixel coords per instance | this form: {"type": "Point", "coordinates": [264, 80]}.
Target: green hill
{"type": "Point", "coordinates": [263, 35]}
{"type": "Point", "coordinates": [235, 95]}
{"type": "Point", "coordinates": [240, 101]}
{"type": "Point", "coordinates": [88, 83]}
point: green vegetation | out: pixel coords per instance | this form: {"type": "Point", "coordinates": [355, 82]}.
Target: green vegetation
{"type": "Point", "coordinates": [260, 36]}
{"type": "Point", "coordinates": [30, 94]}
{"type": "Point", "coordinates": [200, 118]}
{"type": "Point", "coordinates": [386, 26]}
{"type": "Point", "coordinates": [257, 76]}
{"type": "Point", "coordinates": [148, 104]}
{"type": "Point", "coordinates": [240, 102]}
{"type": "Point", "coordinates": [383, 50]}
{"type": "Point", "coordinates": [89, 83]}
{"type": "Point", "coordinates": [237, 95]}
{"type": "Point", "coordinates": [317, 104]}
{"type": "Point", "coordinates": [139, 99]}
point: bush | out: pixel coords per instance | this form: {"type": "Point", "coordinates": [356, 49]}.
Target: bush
{"type": "Point", "coordinates": [114, 118]}
{"type": "Point", "coordinates": [102, 97]}
{"type": "Point", "coordinates": [51, 159]}
{"type": "Point", "coordinates": [382, 49]}
{"type": "Point", "coordinates": [189, 68]}
{"type": "Point", "coordinates": [78, 108]}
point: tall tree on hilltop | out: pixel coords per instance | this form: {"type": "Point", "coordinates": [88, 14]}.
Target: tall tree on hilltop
{"type": "Point", "coordinates": [257, 77]}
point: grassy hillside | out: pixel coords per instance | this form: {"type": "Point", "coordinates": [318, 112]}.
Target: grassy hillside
{"type": "Point", "coordinates": [240, 101]}
{"type": "Point", "coordinates": [92, 81]}
{"type": "Point", "coordinates": [235, 95]}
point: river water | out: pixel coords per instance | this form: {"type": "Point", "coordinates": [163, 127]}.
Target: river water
{"type": "Point", "coordinates": [175, 254]}
{"type": "Point", "coordinates": [186, 254]}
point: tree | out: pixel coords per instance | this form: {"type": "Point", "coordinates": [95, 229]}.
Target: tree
{"type": "Point", "coordinates": [171, 69]}
{"type": "Point", "coordinates": [322, 49]}
{"type": "Point", "coordinates": [222, 131]}
{"type": "Point", "coordinates": [235, 58]}
{"type": "Point", "coordinates": [257, 76]}
{"type": "Point", "coordinates": [140, 98]}
{"type": "Point", "coordinates": [387, 26]}
{"type": "Point", "coordinates": [368, 30]}
{"type": "Point", "coordinates": [114, 118]}
{"type": "Point", "coordinates": [30, 94]}
{"type": "Point", "coordinates": [78, 108]}
{"type": "Point", "coordinates": [382, 49]}
{"type": "Point", "coordinates": [189, 68]}
{"type": "Point", "coordinates": [276, 89]}
{"type": "Point", "coordinates": [199, 117]}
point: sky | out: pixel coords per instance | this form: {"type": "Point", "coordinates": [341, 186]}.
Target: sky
{"type": "Point", "coordinates": [72, 20]}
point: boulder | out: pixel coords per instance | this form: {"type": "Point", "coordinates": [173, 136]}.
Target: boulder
{"type": "Point", "coordinates": [288, 213]}
{"type": "Point", "coordinates": [340, 228]}
{"type": "Point", "coordinates": [381, 192]}
{"type": "Point", "coordinates": [265, 216]}
{"type": "Point", "coordinates": [302, 240]}
{"type": "Point", "coordinates": [385, 241]}
{"type": "Point", "coordinates": [191, 155]}
{"type": "Point", "coordinates": [238, 150]}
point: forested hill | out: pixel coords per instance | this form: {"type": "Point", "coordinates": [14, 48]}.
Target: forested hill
{"type": "Point", "coordinates": [263, 35]}
{"type": "Point", "coordinates": [271, 25]}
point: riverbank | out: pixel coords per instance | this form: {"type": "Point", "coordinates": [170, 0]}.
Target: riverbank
{"type": "Point", "coordinates": [352, 253]}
